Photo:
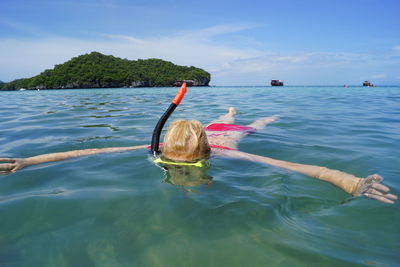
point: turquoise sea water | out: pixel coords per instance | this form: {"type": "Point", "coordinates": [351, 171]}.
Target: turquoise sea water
{"type": "Point", "coordinates": [117, 210]}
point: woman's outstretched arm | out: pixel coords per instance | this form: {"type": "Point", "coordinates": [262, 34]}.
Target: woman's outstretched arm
{"type": "Point", "coordinates": [15, 164]}
{"type": "Point", "coordinates": [369, 187]}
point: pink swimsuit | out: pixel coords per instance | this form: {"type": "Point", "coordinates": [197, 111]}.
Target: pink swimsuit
{"type": "Point", "coordinates": [223, 127]}
{"type": "Point", "coordinates": [219, 127]}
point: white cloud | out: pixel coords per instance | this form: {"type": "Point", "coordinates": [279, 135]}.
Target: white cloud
{"type": "Point", "coordinates": [25, 58]}
{"type": "Point", "coordinates": [316, 68]}
{"type": "Point", "coordinates": [228, 65]}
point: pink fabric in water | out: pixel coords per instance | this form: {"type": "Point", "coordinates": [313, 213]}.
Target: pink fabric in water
{"type": "Point", "coordinates": [229, 127]}
{"type": "Point", "coordinates": [221, 147]}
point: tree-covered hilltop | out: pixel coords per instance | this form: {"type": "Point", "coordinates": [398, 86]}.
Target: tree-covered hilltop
{"type": "Point", "coordinates": [96, 70]}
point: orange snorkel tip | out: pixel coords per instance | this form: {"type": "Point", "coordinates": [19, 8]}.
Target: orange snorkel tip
{"type": "Point", "coordinates": [179, 96]}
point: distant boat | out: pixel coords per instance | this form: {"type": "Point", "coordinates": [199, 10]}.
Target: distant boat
{"type": "Point", "coordinates": [22, 89]}
{"type": "Point", "coordinates": [276, 83]}
{"type": "Point", "coordinates": [367, 83]}
{"type": "Point", "coordinates": [180, 82]}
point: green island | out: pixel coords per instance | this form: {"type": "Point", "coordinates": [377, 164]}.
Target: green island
{"type": "Point", "coordinates": [96, 70]}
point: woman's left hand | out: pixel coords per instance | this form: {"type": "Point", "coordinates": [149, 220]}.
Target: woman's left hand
{"type": "Point", "coordinates": [11, 165]}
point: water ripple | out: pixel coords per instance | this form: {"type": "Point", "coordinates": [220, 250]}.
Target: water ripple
{"type": "Point", "coordinates": [117, 206]}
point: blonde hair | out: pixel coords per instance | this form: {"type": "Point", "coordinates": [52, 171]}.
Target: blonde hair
{"type": "Point", "coordinates": [186, 140]}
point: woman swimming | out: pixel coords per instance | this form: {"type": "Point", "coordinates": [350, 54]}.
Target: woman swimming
{"type": "Point", "coordinates": [187, 141]}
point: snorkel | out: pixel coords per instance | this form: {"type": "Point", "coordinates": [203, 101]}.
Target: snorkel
{"type": "Point", "coordinates": [155, 140]}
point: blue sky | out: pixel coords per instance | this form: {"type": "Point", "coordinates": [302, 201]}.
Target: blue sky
{"type": "Point", "coordinates": [239, 42]}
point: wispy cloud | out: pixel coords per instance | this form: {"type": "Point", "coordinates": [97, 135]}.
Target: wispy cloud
{"type": "Point", "coordinates": [22, 58]}
{"type": "Point", "coordinates": [312, 68]}
{"type": "Point", "coordinates": [228, 64]}
{"type": "Point", "coordinates": [22, 27]}
{"type": "Point", "coordinates": [214, 31]}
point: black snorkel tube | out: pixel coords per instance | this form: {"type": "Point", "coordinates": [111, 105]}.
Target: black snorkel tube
{"type": "Point", "coordinates": [155, 140]}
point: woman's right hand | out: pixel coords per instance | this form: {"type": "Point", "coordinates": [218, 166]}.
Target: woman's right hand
{"type": "Point", "coordinates": [11, 165]}
{"type": "Point", "coordinates": [371, 187]}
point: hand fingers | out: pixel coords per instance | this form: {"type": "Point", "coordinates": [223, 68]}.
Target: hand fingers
{"type": "Point", "coordinates": [374, 192]}
{"type": "Point", "coordinates": [379, 193]}
{"type": "Point", "coordinates": [380, 187]}
{"type": "Point", "coordinates": [6, 166]}
{"type": "Point", "coordinates": [7, 160]}
{"type": "Point", "coordinates": [391, 196]}
{"type": "Point", "coordinates": [381, 198]}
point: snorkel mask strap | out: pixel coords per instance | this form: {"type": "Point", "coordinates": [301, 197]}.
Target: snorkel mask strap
{"type": "Point", "coordinates": [155, 140]}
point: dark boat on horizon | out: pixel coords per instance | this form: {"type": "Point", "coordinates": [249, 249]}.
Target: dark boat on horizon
{"type": "Point", "coordinates": [367, 83]}
{"type": "Point", "coordinates": [276, 83]}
